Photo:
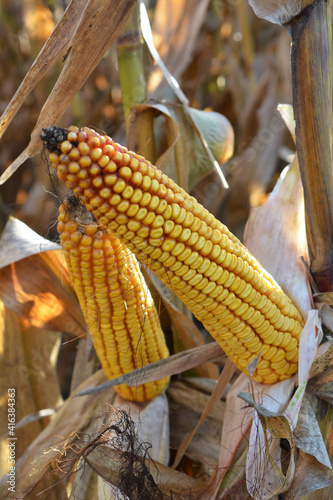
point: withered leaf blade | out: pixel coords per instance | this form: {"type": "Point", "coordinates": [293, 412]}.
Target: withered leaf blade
{"type": "Point", "coordinates": [72, 415]}
{"type": "Point", "coordinates": [177, 363]}
{"type": "Point", "coordinates": [38, 289]}
{"type": "Point", "coordinates": [18, 241]}
{"type": "Point", "coordinates": [279, 11]}
{"type": "Point", "coordinates": [278, 229]}
{"type": "Point", "coordinates": [95, 32]}
{"type": "Point", "coordinates": [98, 29]}
{"type": "Point", "coordinates": [313, 468]}
{"type": "Point", "coordinates": [28, 367]}
{"type": "Point", "coordinates": [108, 463]}
{"type": "Point", "coordinates": [35, 283]}
{"type": "Point", "coordinates": [55, 45]}
{"type": "Point", "coordinates": [265, 479]}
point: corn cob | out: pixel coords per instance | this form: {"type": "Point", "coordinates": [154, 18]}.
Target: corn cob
{"type": "Point", "coordinates": [194, 254]}
{"type": "Point", "coordinates": [114, 298]}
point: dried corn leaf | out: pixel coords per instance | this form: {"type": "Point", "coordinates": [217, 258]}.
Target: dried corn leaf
{"type": "Point", "coordinates": [177, 363]}
{"type": "Point", "coordinates": [34, 281]}
{"type": "Point", "coordinates": [264, 474]}
{"type": "Point", "coordinates": [58, 42]}
{"type": "Point", "coordinates": [74, 413]}
{"type": "Point", "coordinates": [28, 359]}
{"type": "Point", "coordinates": [204, 448]}
{"type": "Point", "coordinates": [176, 25]}
{"type": "Point", "coordinates": [18, 241]}
{"type": "Point", "coordinates": [34, 289]}
{"type": "Point", "coordinates": [279, 11]}
{"type": "Point", "coordinates": [95, 32]}
{"type": "Point", "coordinates": [311, 336]}
{"type": "Point", "coordinates": [185, 159]}
{"type": "Point", "coordinates": [215, 397]}
{"type": "Point", "coordinates": [278, 229]}
{"type": "Point", "coordinates": [236, 424]}
{"type": "Point", "coordinates": [313, 467]}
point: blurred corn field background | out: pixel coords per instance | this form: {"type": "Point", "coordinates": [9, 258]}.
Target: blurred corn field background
{"type": "Point", "coordinates": [209, 91]}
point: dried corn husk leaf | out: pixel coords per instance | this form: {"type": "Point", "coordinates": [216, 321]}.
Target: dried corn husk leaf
{"type": "Point", "coordinates": [175, 29]}
{"type": "Point", "coordinates": [264, 475]}
{"type": "Point", "coordinates": [185, 159]}
{"type": "Point", "coordinates": [35, 283]}
{"type": "Point", "coordinates": [279, 11]}
{"type": "Point", "coordinates": [73, 414]}
{"type": "Point", "coordinates": [216, 395]}
{"type": "Point", "coordinates": [18, 241]}
{"type": "Point", "coordinates": [311, 336]}
{"type": "Point", "coordinates": [204, 448]}
{"type": "Point", "coordinates": [54, 47]}
{"type": "Point", "coordinates": [313, 468]}
{"type": "Point", "coordinates": [177, 363]}
{"type": "Point", "coordinates": [237, 422]}
{"type": "Point", "coordinates": [278, 229]}
{"type": "Point", "coordinates": [94, 33]}
{"type": "Point", "coordinates": [28, 359]}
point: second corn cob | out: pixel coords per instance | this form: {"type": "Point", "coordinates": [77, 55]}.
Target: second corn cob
{"type": "Point", "coordinates": [114, 299]}
{"type": "Point", "coordinates": [194, 254]}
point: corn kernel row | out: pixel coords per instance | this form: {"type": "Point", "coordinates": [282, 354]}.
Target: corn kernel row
{"type": "Point", "coordinates": [115, 301]}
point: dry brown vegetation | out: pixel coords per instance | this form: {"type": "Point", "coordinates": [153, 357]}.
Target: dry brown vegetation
{"type": "Point", "coordinates": [213, 433]}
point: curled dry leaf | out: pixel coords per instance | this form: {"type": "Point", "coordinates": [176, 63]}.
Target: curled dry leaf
{"type": "Point", "coordinates": [94, 32]}
{"type": "Point", "coordinates": [175, 30]}
{"type": "Point", "coordinates": [35, 283]}
{"type": "Point", "coordinates": [185, 159]}
{"type": "Point", "coordinates": [279, 11]}
{"type": "Point", "coordinates": [204, 448]}
{"type": "Point", "coordinates": [28, 365]}
{"type": "Point", "coordinates": [275, 235]}
{"type": "Point", "coordinates": [177, 363]}
{"type": "Point", "coordinates": [313, 467]}
{"type": "Point", "coordinates": [54, 47]}
{"type": "Point", "coordinates": [73, 414]}
{"type": "Point", "coordinates": [263, 471]}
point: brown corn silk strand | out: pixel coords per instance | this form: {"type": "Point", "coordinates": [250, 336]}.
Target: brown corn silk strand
{"type": "Point", "coordinates": [115, 300]}
{"type": "Point", "coordinates": [193, 253]}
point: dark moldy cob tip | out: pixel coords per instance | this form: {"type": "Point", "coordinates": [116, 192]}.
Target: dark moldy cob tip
{"type": "Point", "coordinates": [52, 137]}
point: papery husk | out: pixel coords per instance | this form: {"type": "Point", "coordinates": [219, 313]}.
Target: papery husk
{"type": "Point", "coordinates": [28, 366]}
{"type": "Point", "coordinates": [35, 283]}
{"type": "Point", "coordinates": [279, 11]}
{"type": "Point", "coordinates": [33, 468]}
